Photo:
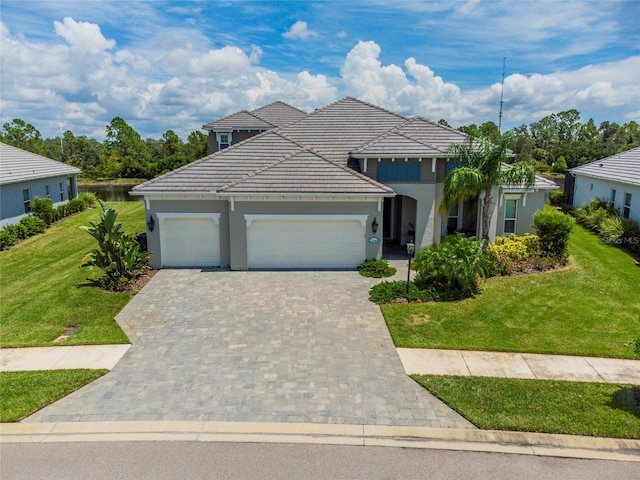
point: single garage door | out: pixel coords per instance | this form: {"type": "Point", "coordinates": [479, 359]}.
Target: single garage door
{"type": "Point", "coordinates": [305, 242]}
{"type": "Point", "coordinates": [190, 241]}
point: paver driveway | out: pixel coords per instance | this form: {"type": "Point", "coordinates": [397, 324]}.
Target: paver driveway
{"type": "Point", "coordinates": [256, 346]}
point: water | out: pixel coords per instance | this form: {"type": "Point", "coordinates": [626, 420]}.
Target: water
{"type": "Point", "coordinates": [111, 193]}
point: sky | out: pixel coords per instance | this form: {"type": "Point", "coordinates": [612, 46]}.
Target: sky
{"type": "Point", "coordinates": [160, 65]}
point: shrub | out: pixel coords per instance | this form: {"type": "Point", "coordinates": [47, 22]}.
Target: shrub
{"type": "Point", "coordinates": [376, 268]}
{"type": "Point", "coordinates": [88, 199]}
{"type": "Point", "coordinates": [33, 225]}
{"type": "Point", "coordinates": [451, 270]}
{"type": "Point", "coordinates": [395, 292]}
{"type": "Point", "coordinates": [118, 255]}
{"type": "Point", "coordinates": [7, 238]}
{"type": "Point", "coordinates": [553, 229]}
{"type": "Point", "coordinates": [18, 230]}
{"type": "Point", "coordinates": [611, 229]}
{"type": "Point", "coordinates": [557, 198]}
{"type": "Point", "coordinates": [43, 209]}
{"type": "Point", "coordinates": [631, 234]}
{"type": "Point", "coordinates": [515, 254]}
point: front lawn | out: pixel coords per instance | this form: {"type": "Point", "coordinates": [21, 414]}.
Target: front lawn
{"type": "Point", "coordinates": [575, 408]}
{"type": "Point", "coordinates": [45, 292]}
{"type": "Point", "coordinates": [24, 393]}
{"type": "Point", "coordinates": [591, 307]}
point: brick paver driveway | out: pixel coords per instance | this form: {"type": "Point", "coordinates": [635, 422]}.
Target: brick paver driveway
{"type": "Point", "coordinates": [254, 347]}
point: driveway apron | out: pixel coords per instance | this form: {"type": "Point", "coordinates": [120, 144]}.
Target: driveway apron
{"type": "Point", "coordinates": [303, 347]}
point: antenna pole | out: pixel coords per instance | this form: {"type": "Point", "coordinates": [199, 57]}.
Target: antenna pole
{"type": "Point", "coordinates": [504, 62]}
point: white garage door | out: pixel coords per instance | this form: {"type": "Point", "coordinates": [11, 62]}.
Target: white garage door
{"type": "Point", "coordinates": [335, 241]}
{"type": "Point", "coordinates": [190, 241]}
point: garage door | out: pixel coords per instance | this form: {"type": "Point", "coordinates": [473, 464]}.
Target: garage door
{"type": "Point", "coordinates": [305, 242]}
{"type": "Point", "coordinates": [190, 241]}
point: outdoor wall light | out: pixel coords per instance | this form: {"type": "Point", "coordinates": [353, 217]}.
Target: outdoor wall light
{"type": "Point", "coordinates": [374, 226]}
{"type": "Point", "coordinates": [151, 224]}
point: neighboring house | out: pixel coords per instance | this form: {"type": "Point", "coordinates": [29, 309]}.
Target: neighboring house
{"type": "Point", "coordinates": [328, 190]}
{"type": "Point", "coordinates": [239, 126]}
{"type": "Point", "coordinates": [25, 175]}
{"type": "Point", "coordinates": [615, 179]}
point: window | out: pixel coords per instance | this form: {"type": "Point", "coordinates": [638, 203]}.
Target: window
{"type": "Point", "coordinates": [626, 208]}
{"type": "Point", "coordinates": [26, 200]}
{"type": "Point", "coordinates": [47, 191]}
{"type": "Point", "coordinates": [399, 171]}
{"type": "Point", "coordinates": [452, 220]}
{"type": "Point", "coordinates": [612, 200]}
{"type": "Point", "coordinates": [510, 211]}
{"type": "Point", "coordinates": [61, 184]}
{"type": "Point", "coordinates": [224, 140]}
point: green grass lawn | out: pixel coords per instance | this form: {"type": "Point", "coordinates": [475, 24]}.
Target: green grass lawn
{"type": "Point", "coordinates": [44, 290]}
{"type": "Point", "coordinates": [591, 307]}
{"type": "Point", "coordinates": [576, 408]}
{"type": "Point", "coordinates": [23, 393]}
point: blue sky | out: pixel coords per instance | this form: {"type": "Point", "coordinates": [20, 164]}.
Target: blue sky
{"type": "Point", "coordinates": [176, 65]}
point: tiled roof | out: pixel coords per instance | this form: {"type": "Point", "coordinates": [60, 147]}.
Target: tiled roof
{"type": "Point", "coordinates": [432, 133]}
{"type": "Point", "coordinates": [395, 142]}
{"type": "Point", "coordinates": [241, 120]}
{"type": "Point", "coordinates": [306, 172]}
{"type": "Point", "coordinates": [623, 167]}
{"type": "Point", "coordinates": [17, 165]}
{"type": "Point", "coordinates": [276, 114]}
{"type": "Point", "coordinates": [539, 183]}
{"type": "Point", "coordinates": [279, 113]}
{"type": "Point", "coordinates": [341, 127]}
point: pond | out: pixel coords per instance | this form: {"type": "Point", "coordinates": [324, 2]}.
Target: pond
{"type": "Point", "coordinates": [111, 193]}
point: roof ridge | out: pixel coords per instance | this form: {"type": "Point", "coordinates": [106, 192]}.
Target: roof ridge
{"type": "Point", "coordinates": [377, 107]}
{"type": "Point", "coordinates": [446, 127]}
{"type": "Point", "coordinates": [282, 103]}
{"type": "Point", "coordinates": [397, 130]}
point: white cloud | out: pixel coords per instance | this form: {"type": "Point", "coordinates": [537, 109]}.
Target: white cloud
{"type": "Point", "coordinates": [299, 30]}
{"type": "Point", "coordinates": [83, 36]}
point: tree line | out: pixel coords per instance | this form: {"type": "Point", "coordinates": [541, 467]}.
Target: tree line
{"type": "Point", "coordinates": [554, 143]}
{"type": "Point", "coordinates": [123, 153]}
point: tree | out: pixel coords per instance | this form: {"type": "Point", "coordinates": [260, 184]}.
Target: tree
{"type": "Point", "coordinates": [22, 135]}
{"type": "Point", "coordinates": [482, 165]}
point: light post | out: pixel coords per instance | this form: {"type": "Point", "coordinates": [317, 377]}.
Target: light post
{"type": "Point", "coordinates": [411, 250]}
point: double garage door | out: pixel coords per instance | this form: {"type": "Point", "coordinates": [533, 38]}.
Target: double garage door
{"type": "Point", "coordinates": [332, 241]}
{"type": "Point", "coordinates": [284, 241]}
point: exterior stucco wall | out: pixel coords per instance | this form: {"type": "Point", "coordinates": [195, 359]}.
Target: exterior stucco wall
{"type": "Point", "coordinates": [524, 215]}
{"type": "Point", "coordinates": [237, 136]}
{"type": "Point", "coordinates": [187, 206]}
{"type": "Point", "coordinates": [238, 225]}
{"type": "Point", "coordinates": [584, 193]}
{"type": "Point", "coordinates": [11, 202]}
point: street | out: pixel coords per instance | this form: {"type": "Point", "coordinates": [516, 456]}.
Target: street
{"type": "Point", "coordinates": [208, 460]}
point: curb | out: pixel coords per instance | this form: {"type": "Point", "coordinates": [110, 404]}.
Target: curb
{"type": "Point", "coordinates": [522, 443]}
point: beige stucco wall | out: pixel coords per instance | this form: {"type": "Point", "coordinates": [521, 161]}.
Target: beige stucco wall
{"type": "Point", "coordinates": [533, 202]}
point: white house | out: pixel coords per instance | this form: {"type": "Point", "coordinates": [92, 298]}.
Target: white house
{"type": "Point", "coordinates": [615, 179]}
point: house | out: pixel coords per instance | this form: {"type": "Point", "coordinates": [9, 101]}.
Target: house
{"type": "Point", "coordinates": [25, 175]}
{"type": "Point", "coordinates": [239, 126]}
{"type": "Point", "coordinates": [615, 179]}
{"type": "Point", "coordinates": [327, 190]}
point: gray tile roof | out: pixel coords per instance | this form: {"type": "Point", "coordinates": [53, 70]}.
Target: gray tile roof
{"type": "Point", "coordinates": [270, 116]}
{"type": "Point", "coordinates": [432, 133]}
{"type": "Point", "coordinates": [17, 165]}
{"type": "Point", "coordinates": [623, 167]}
{"type": "Point", "coordinates": [539, 183]}
{"type": "Point", "coordinates": [397, 143]}
{"type": "Point", "coordinates": [306, 172]}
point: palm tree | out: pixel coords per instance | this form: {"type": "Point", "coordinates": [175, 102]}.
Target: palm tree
{"type": "Point", "coordinates": [482, 166]}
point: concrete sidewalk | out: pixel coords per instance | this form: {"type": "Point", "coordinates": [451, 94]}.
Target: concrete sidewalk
{"type": "Point", "coordinates": [415, 361]}
{"type": "Point", "coordinates": [61, 358]}
{"type": "Point", "coordinates": [519, 365]}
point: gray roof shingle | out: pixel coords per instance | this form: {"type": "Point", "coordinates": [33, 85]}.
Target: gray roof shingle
{"type": "Point", "coordinates": [17, 165]}
{"type": "Point", "coordinates": [276, 114]}
{"type": "Point", "coordinates": [623, 167]}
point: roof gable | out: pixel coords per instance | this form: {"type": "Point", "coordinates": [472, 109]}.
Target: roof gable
{"type": "Point", "coordinates": [17, 165]}
{"type": "Point", "coordinates": [623, 167]}
{"type": "Point", "coordinates": [279, 113]}
{"type": "Point", "coordinates": [241, 120]}
{"type": "Point", "coordinates": [395, 142]}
